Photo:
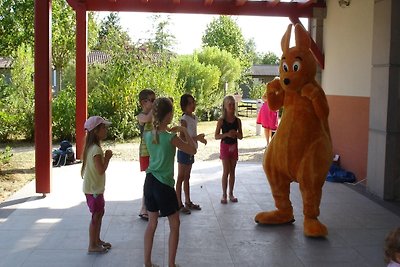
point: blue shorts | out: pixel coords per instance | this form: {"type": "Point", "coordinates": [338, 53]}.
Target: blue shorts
{"type": "Point", "coordinates": [159, 196]}
{"type": "Point", "coordinates": [185, 158]}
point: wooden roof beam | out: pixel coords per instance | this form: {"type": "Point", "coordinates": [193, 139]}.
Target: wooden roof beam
{"type": "Point", "coordinates": [212, 7]}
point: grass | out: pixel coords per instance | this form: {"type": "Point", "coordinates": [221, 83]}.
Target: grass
{"type": "Point", "coordinates": [21, 168]}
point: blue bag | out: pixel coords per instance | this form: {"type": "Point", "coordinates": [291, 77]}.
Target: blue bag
{"type": "Point", "coordinates": [339, 175]}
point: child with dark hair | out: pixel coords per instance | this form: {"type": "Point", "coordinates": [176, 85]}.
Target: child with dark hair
{"type": "Point", "coordinates": [392, 248]}
{"type": "Point", "coordinates": [159, 193]}
{"type": "Point", "coordinates": [185, 161]}
{"type": "Point", "coordinates": [94, 166]}
{"type": "Point", "coordinates": [229, 130]}
{"type": "Point", "coordinates": [146, 99]}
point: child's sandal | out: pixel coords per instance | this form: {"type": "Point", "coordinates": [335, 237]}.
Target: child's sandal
{"type": "Point", "coordinates": [233, 199]}
{"type": "Point", "coordinates": [192, 206]}
{"type": "Point", "coordinates": [224, 200]}
{"type": "Point", "coordinates": [185, 210]}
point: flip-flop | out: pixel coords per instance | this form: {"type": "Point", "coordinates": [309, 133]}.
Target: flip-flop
{"type": "Point", "coordinates": [99, 250]}
{"type": "Point", "coordinates": [144, 216]}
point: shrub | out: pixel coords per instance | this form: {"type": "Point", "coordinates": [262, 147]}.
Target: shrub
{"type": "Point", "coordinates": [5, 155]}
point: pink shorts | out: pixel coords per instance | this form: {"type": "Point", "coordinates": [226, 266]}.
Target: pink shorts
{"type": "Point", "coordinates": [228, 151]}
{"type": "Point", "coordinates": [95, 204]}
{"type": "Point", "coordinates": [144, 163]}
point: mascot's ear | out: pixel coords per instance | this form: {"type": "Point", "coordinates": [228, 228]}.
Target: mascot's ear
{"type": "Point", "coordinates": [303, 41]}
{"type": "Point", "coordinates": [286, 39]}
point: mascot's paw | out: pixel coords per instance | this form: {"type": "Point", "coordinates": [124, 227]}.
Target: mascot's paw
{"type": "Point", "coordinates": [274, 217]}
{"type": "Point", "coordinates": [313, 228]}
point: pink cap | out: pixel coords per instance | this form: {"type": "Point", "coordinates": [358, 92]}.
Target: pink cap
{"type": "Point", "coordinates": [94, 121]}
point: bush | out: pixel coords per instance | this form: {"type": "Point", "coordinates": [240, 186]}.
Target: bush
{"type": "Point", "coordinates": [64, 115]}
{"type": "Point", "coordinates": [5, 155]}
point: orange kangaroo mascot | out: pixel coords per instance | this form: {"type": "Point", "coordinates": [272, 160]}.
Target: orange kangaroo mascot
{"type": "Point", "coordinates": [301, 150]}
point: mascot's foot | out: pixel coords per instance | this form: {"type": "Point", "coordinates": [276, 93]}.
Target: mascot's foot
{"type": "Point", "coordinates": [313, 228]}
{"type": "Point", "coordinates": [274, 217]}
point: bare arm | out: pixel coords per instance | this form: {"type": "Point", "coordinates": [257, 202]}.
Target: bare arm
{"type": "Point", "coordinates": [143, 118]}
{"type": "Point", "coordinates": [239, 131]}
{"type": "Point", "coordinates": [101, 166]}
{"type": "Point", "coordinates": [188, 146]}
{"type": "Point", "coordinates": [218, 135]}
{"type": "Point", "coordinates": [181, 135]}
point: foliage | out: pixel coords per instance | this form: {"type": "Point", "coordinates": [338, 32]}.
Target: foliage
{"type": "Point", "coordinates": [63, 37]}
{"type": "Point", "coordinates": [63, 114]}
{"type": "Point", "coordinates": [257, 89]}
{"type": "Point", "coordinates": [16, 103]}
{"type": "Point", "coordinates": [270, 58]}
{"type": "Point", "coordinates": [16, 25]}
{"type": "Point", "coordinates": [5, 155]}
{"type": "Point", "coordinates": [228, 66]}
{"type": "Point", "coordinates": [115, 87]}
{"type": "Point", "coordinates": [224, 33]}
{"type": "Point", "coordinates": [250, 52]}
{"type": "Point", "coordinates": [201, 81]}
{"type": "Point", "coordinates": [161, 39]}
{"type": "Point", "coordinates": [21, 98]}
{"type": "Point", "coordinates": [112, 39]}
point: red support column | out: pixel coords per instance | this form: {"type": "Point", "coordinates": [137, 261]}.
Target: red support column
{"type": "Point", "coordinates": [43, 96]}
{"type": "Point", "coordinates": [81, 77]}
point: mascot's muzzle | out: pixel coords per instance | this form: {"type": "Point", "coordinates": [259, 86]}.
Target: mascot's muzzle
{"type": "Point", "coordinates": [286, 81]}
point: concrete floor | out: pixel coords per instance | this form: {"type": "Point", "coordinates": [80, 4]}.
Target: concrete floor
{"type": "Point", "coordinates": [53, 231]}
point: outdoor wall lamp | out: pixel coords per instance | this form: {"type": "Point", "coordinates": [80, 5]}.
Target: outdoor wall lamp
{"type": "Point", "coordinates": [344, 3]}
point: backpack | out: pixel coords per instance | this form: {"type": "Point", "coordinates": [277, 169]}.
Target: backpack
{"type": "Point", "coordinates": [65, 155]}
{"type": "Point", "coordinates": [339, 175]}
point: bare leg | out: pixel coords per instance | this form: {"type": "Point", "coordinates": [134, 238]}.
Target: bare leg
{"type": "Point", "coordinates": [98, 229]}
{"type": "Point", "coordinates": [149, 237]}
{"type": "Point", "coordinates": [143, 209]}
{"type": "Point", "coordinates": [225, 173]}
{"type": "Point", "coordinates": [179, 181]}
{"type": "Point", "coordinates": [186, 184]}
{"type": "Point", "coordinates": [232, 178]}
{"type": "Point", "coordinates": [173, 241]}
{"type": "Point", "coordinates": [94, 232]}
{"type": "Point", "coordinates": [267, 133]}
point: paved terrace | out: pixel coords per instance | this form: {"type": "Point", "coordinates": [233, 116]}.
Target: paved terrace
{"type": "Point", "coordinates": [53, 231]}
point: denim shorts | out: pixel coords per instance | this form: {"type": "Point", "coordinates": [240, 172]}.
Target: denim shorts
{"type": "Point", "coordinates": [185, 158]}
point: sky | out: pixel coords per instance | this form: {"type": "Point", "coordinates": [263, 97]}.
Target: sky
{"type": "Point", "coordinates": [189, 28]}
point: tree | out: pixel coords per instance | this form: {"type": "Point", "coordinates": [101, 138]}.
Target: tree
{"type": "Point", "coordinates": [16, 25]}
{"type": "Point", "coordinates": [112, 38]}
{"type": "Point", "coordinates": [224, 33]}
{"type": "Point", "coordinates": [63, 37]}
{"type": "Point", "coordinates": [228, 66]}
{"type": "Point", "coordinates": [250, 52]}
{"type": "Point", "coordinates": [270, 58]}
{"type": "Point", "coordinates": [17, 28]}
{"type": "Point", "coordinates": [162, 40]}
{"type": "Point", "coordinates": [201, 81]}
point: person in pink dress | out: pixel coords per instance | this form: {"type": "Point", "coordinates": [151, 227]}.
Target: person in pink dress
{"type": "Point", "coordinates": [268, 120]}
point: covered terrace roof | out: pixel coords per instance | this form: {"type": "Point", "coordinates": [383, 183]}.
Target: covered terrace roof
{"type": "Point", "coordinates": [283, 8]}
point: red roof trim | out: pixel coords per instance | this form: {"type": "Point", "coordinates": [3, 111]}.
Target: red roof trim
{"type": "Point", "coordinates": [219, 7]}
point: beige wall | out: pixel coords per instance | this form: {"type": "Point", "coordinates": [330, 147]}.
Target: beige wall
{"type": "Point", "coordinates": [348, 48]}
{"type": "Point", "coordinates": [346, 79]}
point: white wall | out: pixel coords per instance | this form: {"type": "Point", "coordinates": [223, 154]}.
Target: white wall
{"type": "Point", "coordinates": [348, 48]}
